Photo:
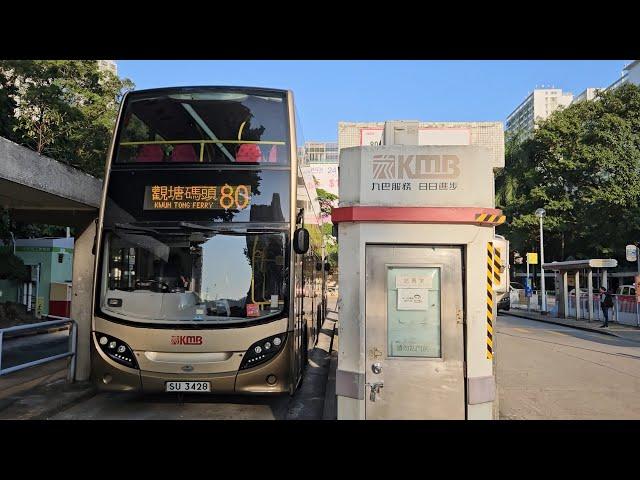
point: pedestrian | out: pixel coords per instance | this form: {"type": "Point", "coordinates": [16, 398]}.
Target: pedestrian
{"type": "Point", "coordinates": [606, 302]}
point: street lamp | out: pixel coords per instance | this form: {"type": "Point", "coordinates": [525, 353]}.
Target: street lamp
{"type": "Point", "coordinates": [540, 214]}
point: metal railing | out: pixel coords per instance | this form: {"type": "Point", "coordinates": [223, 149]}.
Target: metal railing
{"type": "Point", "coordinates": [519, 300]}
{"type": "Point", "coordinates": [73, 334]}
{"type": "Point", "coordinates": [624, 310]}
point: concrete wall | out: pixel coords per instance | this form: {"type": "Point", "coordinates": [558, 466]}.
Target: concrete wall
{"type": "Point", "coordinates": [26, 167]}
{"type": "Point", "coordinates": [83, 265]}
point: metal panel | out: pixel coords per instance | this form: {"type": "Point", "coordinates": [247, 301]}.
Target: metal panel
{"type": "Point", "coordinates": [481, 389]}
{"type": "Point", "coordinates": [350, 384]}
{"type": "Point", "coordinates": [416, 387]}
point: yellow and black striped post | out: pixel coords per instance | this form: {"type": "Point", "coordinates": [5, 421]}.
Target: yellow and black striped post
{"type": "Point", "coordinates": [490, 219]}
{"type": "Point", "coordinates": [496, 266]}
{"type": "Point", "coordinates": [490, 300]}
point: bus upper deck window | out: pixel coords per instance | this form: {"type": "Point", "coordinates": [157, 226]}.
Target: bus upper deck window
{"type": "Point", "coordinates": [184, 153]}
{"type": "Point", "coordinates": [273, 154]}
{"type": "Point", "coordinates": [249, 153]}
{"type": "Point", "coordinates": [150, 153]}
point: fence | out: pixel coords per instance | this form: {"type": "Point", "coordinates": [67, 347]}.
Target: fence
{"type": "Point", "coordinates": [519, 300]}
{"type": "Point", "coordinates": [623, 311]}
{"type": "Point", "coordinates": [73, 334]}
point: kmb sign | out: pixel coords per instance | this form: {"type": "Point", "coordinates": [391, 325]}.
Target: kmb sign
{"type": "Point", "coordinates": [413, 175]}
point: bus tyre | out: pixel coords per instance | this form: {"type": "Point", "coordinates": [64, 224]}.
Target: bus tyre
{"type": "Point", "coordinates": [305, 349]}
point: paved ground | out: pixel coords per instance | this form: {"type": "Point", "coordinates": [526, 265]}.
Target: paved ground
{"type": "Point", "coordinates": [33, 347]}
{"type": "Point", "coordinates": [56, 400]}
{"type": "Point", "coordinates": [628, 332]}
{"type": "Point", "coordinates": [547, 371]}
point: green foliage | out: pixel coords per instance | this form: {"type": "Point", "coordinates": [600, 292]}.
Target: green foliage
{"type": "Point", "coordinates": [331, 245]}
{"type": "Point", "coordinates": [64, 109]}
{"type": "Point", "coordinates": [12, 267]}
{"type": "Point", "coordinates": [582, 165]}
{"type": "Point", "coordinates": [326, 201]}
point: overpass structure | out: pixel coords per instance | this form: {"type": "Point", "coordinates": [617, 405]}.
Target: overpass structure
{"type": "Point", "coordinates": [39, 189]}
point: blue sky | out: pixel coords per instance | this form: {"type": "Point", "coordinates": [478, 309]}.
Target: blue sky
{"type": "Point", "coordinates": [330, 91]}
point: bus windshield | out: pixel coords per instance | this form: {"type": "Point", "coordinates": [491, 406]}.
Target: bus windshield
{"type": "Point", "coordinates": [194, 276]}
{"type": "Point", "coordinates": [204, 126]}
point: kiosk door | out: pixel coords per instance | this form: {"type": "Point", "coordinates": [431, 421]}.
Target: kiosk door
{"type": "Point", "coordinates": [414, 333]}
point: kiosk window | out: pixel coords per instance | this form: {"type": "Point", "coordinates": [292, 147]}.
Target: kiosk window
{"type": "Point", "coordinates": [413, 312]}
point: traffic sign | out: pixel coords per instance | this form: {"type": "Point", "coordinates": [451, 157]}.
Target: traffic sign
{"type": "Point", "coordinates": [632, 253]}
{"type": "Point", "coordinates": [532, 258]}
{"type": "Point", "coordinates": [528, 291]}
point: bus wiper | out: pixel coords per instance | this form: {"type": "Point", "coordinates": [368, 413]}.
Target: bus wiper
{"type": "Point", "coordinates": [133, 228]}
{"type": "Point", "coordinates": [195, 226]}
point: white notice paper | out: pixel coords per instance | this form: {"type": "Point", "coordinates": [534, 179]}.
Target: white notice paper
{"type": "Point", "coordinates": [412, 298]}
{"type": "Point", "coordinates": [414, 281]}
{"type": "Point", "coordinates": [274, 301]}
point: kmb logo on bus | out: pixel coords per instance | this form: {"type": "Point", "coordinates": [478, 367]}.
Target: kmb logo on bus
{"type": "Point", "coordinates": [186, 340]}
{"type": "Point", "coordinates": [415, 166]}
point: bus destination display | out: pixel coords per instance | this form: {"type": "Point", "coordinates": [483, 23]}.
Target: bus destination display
{"type": "Point", "coordinates": [197, 197]}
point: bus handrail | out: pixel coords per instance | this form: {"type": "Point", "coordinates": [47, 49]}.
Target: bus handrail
{"type": "Point", "coordinates": [72, 350]}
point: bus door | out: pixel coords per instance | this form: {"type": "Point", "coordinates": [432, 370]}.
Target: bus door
{"type": "Point", "coordinates": [299, 312]}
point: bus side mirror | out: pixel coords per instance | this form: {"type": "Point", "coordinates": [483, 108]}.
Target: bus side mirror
{"type": "Point", "coordinates": [301, 241]}
{"type": "Point", "coordinates": [327, 267]}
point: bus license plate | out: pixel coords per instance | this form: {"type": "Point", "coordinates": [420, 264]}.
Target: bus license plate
{"type": "Point", "coordinates": [188, 387]}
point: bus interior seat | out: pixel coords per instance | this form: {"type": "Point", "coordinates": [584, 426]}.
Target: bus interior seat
{"type": "Point", "coordinates": [273, 154]}
{"type": "Point", "coordinates": [150, 153]}
{"type": "Point", "coordinates": [184, 153]}
{"type": "Point", "coordinates": [249, 153]}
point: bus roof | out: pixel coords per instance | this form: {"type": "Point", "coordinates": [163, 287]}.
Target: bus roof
{"type": "Point", "coordinates": [236, 88]}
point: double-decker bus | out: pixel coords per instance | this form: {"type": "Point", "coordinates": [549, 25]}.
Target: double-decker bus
{"type": "Point", "coordinates": [210, 274]}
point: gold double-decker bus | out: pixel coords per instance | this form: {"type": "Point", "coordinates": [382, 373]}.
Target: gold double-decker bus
{"type": "Point", "coordinates": [210, 274]}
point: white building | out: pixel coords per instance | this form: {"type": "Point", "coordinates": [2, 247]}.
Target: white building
{"type": "Point", "coordinates": [488, 134]}
{"type": "Point", "coordinates": [321, 160]}
{"type": "Point", "coordinates": [320, 152]}
{"type": "Point", "coordinates": [538, 105]}
{"type": "Point", "coordinates": [630, 74]}
{"type": "Point", "coordinates": [586, 94]}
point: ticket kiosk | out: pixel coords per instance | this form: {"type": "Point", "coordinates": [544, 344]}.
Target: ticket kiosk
{"type": "Point", "coordinates": [415, 233]}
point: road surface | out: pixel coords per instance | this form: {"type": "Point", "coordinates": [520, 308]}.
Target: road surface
{"type": "Point", "coordinates": [307, 403]}
{"type": "Point", "coordinates": [547, 371]}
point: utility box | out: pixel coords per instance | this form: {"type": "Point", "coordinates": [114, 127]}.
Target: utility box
{"type": "Point", "coordinates": [60, 299]}
{"type": "Point", "coordinates": [416, 312]}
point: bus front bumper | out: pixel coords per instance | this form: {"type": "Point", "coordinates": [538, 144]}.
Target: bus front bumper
{"type": "Point", "coordinates": [110, 376]}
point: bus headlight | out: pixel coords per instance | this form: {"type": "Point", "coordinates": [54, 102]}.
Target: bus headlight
{"type": "Point", "coordinates": [116, 350]}
{"type": "Point", "coordinates": [263, 351]}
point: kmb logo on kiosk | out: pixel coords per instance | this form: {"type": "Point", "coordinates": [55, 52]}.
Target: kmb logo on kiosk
{"type": "Point", "coordinates": [415, 166]}
{"type": "Point", "coordinates": [186, 340]}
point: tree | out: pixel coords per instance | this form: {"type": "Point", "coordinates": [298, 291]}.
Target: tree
{"type": "Point", "coordinates": [12, 267]}
{"type": "Point", "coordinates": [582, 165]}
{"type": "Point", "coordinates": [64, 109]}
{"type": "Point", "coordinates": [326, 201]}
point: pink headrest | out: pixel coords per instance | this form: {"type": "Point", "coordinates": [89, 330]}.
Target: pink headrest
{"type": "Point", "coordinates": [150, 153]}
{"type": "Point", "coordinates": [184, 153]}
{"type": "Point", "coordinates": [249, 152]}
